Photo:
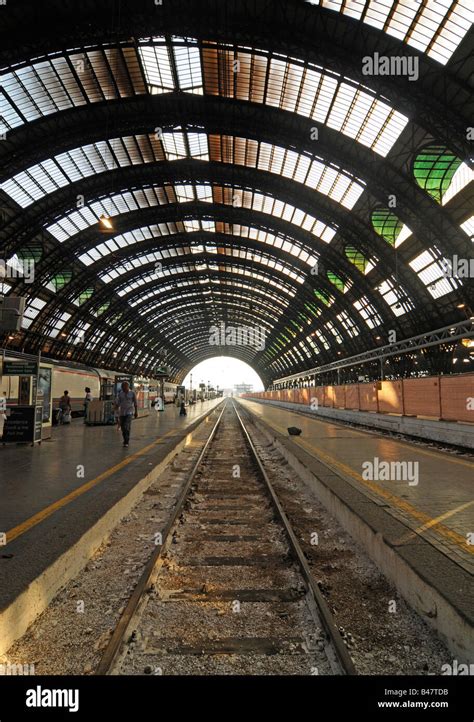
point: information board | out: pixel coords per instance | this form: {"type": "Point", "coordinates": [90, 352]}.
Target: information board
{"type": "Point", "coordinates": [23, 424]}
{"type": "Point", "coordinates": [19, 367]}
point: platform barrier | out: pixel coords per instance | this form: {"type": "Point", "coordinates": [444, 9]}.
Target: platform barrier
{"type": "Point", "coordinates": [447, 398]}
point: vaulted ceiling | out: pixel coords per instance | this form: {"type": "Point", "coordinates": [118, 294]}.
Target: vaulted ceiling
{"type": "Point", "coordinates": [253, 173]}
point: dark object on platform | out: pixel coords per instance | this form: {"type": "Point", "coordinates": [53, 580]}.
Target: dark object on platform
{"type": "Point", "coordinates": [294, 431]}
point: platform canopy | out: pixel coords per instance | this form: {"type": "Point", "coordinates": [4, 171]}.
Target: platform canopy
{"type": "Point", "coordinates": [169, 168]}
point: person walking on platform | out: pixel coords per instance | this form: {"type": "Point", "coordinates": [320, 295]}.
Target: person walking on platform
{"type": "Point", "coordinates": [126, 408]}
{"type": "Point", "coordinates": [87, 400]}
{"type": "Point", "coordinates": [65, 408]}
{"type": "Point", "coordinates": [182, 410]}
{"type": "Point", "coordinates": [3, 412]}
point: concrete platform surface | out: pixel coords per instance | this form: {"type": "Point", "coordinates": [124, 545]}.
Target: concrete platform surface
{"type": "Point", "coordinates": [426, 527]}
{"type": "Point", "coordinates": [52, 494]}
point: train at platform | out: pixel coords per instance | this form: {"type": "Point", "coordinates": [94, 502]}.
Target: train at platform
{"type": "Point", "coordinates": [56, 377]}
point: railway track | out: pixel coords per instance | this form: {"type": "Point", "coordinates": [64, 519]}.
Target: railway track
{"type": "Point", "coordinates": [229, 590]}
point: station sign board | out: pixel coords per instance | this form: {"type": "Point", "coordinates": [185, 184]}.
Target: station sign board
{"type": "Point", "coordinates": [18, 367]}
{"type": "Point", "coordinates": [124, 377]}
{"type": "Point", "coordinates": [23, 425]}
{"type": "Point", "coordinates": [119, 379]}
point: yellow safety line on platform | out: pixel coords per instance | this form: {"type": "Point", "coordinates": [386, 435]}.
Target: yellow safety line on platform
{"type": "Point", "coordinates": [340, 425]}
{"type": "Point", "coordinates": [433, 522]}
{"type": "Point", "coordinates": [419, 516]}
{"type": "Point", "coordinates": [47, 511]}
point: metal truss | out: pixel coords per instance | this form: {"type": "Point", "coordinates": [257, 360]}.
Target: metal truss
{"type": "Point", "coordinates": [438, 112]}
{"type": "Point", "coordinates": [447, 334]}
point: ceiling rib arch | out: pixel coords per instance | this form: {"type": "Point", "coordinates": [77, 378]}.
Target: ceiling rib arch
{"type": "Point", "coordinates": [201, 66]}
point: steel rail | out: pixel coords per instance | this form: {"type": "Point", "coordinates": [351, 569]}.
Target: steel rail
{"type": "Point", "coordinates": [114, 645]}
{"type": "Point", "coordinates": [327, 619]}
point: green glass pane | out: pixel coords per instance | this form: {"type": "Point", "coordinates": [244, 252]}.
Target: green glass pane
{"type": "Point", "coordinates": [61, 280]}
{"type": "Point", "coordinates": [357, 258]}
{"type": "Point", "coordinates": [114, 318]}
{"type": "Point", "coordinates": [313, 309]}
{"type": "Point", "coordinates": [102, 309]}
{"type": "Point", "coordinates": [434, 169]}
{"type": "Point", "coordinates": [386, 224]}
{"type": "Point", "coordinates": [85, 296]}
{"type": "Point", "coordinates": [32, 253]}
{"type": "Point", "coordinates": [322, 297]}
{"type": "Point", "coordinates": [336, 281]}
{"type": "Point", "coordinates": [296, 325]}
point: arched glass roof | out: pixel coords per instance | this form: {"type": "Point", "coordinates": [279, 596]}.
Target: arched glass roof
{"type": "Point", "coordinates": [248, 169]}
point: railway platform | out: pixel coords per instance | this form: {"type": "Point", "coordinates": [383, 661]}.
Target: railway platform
{"type": "Point", "coordinates": [72, 489]}
{"type": "Point", "coordinates": [410, 507]}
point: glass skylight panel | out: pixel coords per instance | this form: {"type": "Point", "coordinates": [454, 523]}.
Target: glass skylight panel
{"type": "Point", "coordinates": [348, 323]}
{"type": "Point", "coordinates": [48, 86]}
{"type": "Point", "coordinates": [398, 301]}
{"type": "Point", "coordinates": [323, 340]}
{"type": "Point", "coordinates": [310, 92]}
{"type": "Point", "coordinates": [368, 312]}
{"type": "Point", "coordinates": [468, 227]}
{"type": "Point", "coordinates": [192, 226]}
{"type": "Point", "coordinates": [14, 188]}
{"type": "Point", "coordinates": [188, 67]}
{"type": "Point", "coordinates": [78, 220]}
{"type": "Point", "coordinates": [204, 193]}
{"type": "Point", "coordinates": [77, 332]}
{"type": "Point", "coordinates": [304, 349]}
{"type": "Point", "coordinates": [185, 193]}
{"type": "Point", "coordinates": [83, 218]}
{"type": "Point", "coordinates": [157, 66]}
{"type": "Point", "coordinates": [33, 307]}
{"type": "Point", "coordinates": [433, 274]}
{"type": "Point", "coordinates": [31, 185]}
{"type": "Point", "coordinates": [59, 324]}
{"type": "Point", "coordinates": [5, 287]}
{"type": "Point", "coordinates": [174, 145]}
{"type": "Point", "coordinates": [402, 236]}
{"type": "Point", "coordinates": [436, 27]}
{"type": "Point", "coordinates": [209, 227]}
{"type": "Point", "coordinates": [332, 329]}
{"type": "Point", "coordinates": [131, 264]}
{"type": "Point", "coordinates": [302, 169]}
{"type": "Point", "coordinates": [463, 176]}
{"type": "Point", "coordinates": [198, 145]}
{"type": "Point", "coordinates": [133, 285]}
{"type": "Point", "coordinates": [367, 120]}
{"type": "Point", "coordinates": [455, 27]}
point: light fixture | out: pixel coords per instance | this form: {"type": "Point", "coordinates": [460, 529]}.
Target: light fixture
{"type": "Point", "coordinates": [461, 305]}
{"type": "Point", "coordinates": [105, 223]}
